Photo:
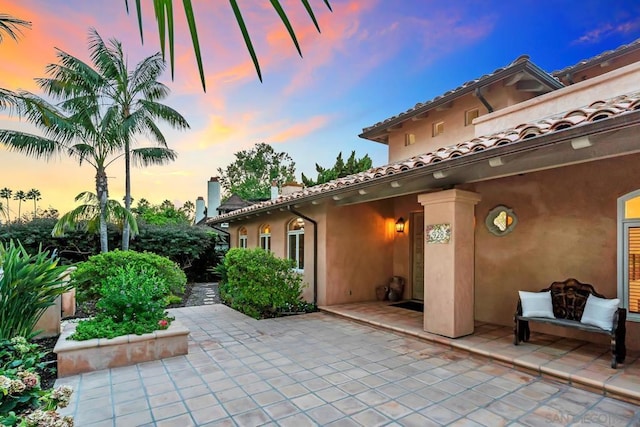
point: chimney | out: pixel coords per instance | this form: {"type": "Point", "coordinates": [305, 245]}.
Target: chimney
{"type": "Point", "coordinates": [274, 190]}
{"type": "Point", "coordinates": [291, 187]}
{"type": "Point", "coordinates": [213, 197]}
{"type": "Point", "coordinates": [199, 209]}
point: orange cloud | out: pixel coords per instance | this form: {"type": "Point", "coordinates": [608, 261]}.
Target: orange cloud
{"type": "Point", "coordinates": [300, 129]}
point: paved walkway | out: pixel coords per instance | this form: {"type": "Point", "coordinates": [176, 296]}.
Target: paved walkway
{"type": "Point", "coordinates": [203, 294]}
{"type": "Point", "coordinates": [318, 369]}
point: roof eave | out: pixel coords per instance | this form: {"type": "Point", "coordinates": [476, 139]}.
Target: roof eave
{"type": "Point", "coordinates": [528, 66]}
{"type": "Point", "coordinates": [607, 125]}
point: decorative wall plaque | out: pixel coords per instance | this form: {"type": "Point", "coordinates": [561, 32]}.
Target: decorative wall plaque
{"type": "Point", "coordinates": [438, 233]}
{"type": "Point", "coordinates": [501, 220]}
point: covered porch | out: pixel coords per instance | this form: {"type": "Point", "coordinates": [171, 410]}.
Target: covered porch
{"type": "Point", "coordinates": [579, 363]}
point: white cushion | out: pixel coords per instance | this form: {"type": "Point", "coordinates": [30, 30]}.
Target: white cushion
{"type": "Point", "coordinates": [536, 304]}
{"type": "Point", "coordinates": [599, 312]}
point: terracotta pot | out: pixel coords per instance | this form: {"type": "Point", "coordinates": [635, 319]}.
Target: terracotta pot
{"type": "Point", "coordinates": [382, 293]}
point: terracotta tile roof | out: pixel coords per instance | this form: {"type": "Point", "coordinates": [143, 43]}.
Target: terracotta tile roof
{"type": "Point", "coordinates": [595, 111]}
{"type": "Point", "coordinates": [516, 66]}
{"type": "Point", "coordinates": [604, 56]}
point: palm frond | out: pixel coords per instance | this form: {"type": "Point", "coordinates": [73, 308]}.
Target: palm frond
{"type": "Point", "coordinates": [153, 156]}
{"type": "Point", "coordinates": [12, 26]}
{"type": "Point", "coordinates": [31, 145]}
{"type": "Point", "coordinates": [166, 113]}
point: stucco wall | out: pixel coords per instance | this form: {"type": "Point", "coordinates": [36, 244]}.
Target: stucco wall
{"type": "Point", "coordinates": [497, 95]}
{"type": "Point", "coordinates": [566, 228]}
{"type": "Point", "coordinates": [359, 251]}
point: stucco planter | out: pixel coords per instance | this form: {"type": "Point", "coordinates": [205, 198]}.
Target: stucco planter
{"type": "Point", "coordinates": [75, 357]}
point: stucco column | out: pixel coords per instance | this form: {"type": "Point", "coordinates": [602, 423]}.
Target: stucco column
{"type": "Point", "coordinates": [449, 266]}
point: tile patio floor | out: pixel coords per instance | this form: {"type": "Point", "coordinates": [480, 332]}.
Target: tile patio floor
{"type": "Point", "coordinates": [320, 369]}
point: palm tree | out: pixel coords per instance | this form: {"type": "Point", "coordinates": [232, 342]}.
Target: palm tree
{"type": "Point", "coordinates": [12, 27]}
{"type": "Point", "coordinates": [164, 17]}
{"type": "Point", "coordinates": [6, 194]}
{"type": "Point", "coordinates": [135, 94]}
{"type": "Point", "coordinates": [88, 215]}
{"type": "Point", "coordinates": [20, 196]}
{"type": "Point", "coordinates": [34, 195]}
{"type": "Point", "coordinates": [85, 125]}
{"type": "Point", "coordinates": [3, 211]}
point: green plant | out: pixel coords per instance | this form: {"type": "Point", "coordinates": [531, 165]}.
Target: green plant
{"type": "Point", "coordinates": [28, 285]}
{"type": "Point", "coordinates": [259, 284]}
{"type": "Point", "coordinates": [132, 301]}
{"type": "Point", "coordinates": [22, 400]}
{"type": "Point", "coordinates": [92, 274]}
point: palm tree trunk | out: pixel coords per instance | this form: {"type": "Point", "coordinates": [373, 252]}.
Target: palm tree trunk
{"type": "Point", "coordinates": [102, 192]}
{"type": "Point", "coordinates": [127, 195]}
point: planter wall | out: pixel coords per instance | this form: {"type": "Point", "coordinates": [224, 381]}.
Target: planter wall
{"type": "Point", "coordinates": [75, 357]}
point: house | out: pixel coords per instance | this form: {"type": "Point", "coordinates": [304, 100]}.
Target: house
{"type": "Point", "coordinates": [509, 182]}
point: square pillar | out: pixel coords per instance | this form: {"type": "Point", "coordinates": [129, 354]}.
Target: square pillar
{"type": "Point", "coordinates": [449, 262]}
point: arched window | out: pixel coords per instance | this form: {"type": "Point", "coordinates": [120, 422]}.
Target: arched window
{"type": "Point", "coordinates": [265, 237]}
{"type": "Point", "coordinates": [629, 253]}
{"type": "Point", "coordinates": [242, 238]}
{"type": "Point", "coordinates": [295, 238]}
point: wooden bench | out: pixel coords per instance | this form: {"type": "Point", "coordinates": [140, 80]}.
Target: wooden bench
{"type": "Point", "coordinates": [569, 299]}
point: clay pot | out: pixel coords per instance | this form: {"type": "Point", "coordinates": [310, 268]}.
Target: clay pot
{"type": "Point", "coordinates": [382, 293]}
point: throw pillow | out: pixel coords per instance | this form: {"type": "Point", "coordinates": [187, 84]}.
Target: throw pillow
{"type": "Point", "coordinates": [536, 304]}
{"type": "Point", "coordinates": [599, 312]}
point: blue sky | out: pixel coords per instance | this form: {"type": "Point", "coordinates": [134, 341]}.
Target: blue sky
{"type": "Point", "coordinates": [374, 59]}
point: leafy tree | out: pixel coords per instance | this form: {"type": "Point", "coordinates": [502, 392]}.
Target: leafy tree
{"type": "Point", "coordinates": [250, 176]}
{"type": "Point", "coordinates": [339, 170]}
{"type": "Point", "coordinates": [6, 194]}
{"type": "Point", "coordinates": [87, 124]}
{"type": "Point", "coordinates": [20, 196]}
{"type": "Point", "coordinates": [162, 214]}
{"type": "Point", "coordinates": [135, 94]}
{"type": "Point", "coordinates": [164, 16]}
{"type": "Point", "coordinates": [89, 215]}
{"type": "Point", "coordinates": [34, 195]}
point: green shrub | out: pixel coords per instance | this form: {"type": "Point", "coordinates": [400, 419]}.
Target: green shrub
{"type": "Point", "coordinates": [28, 285]}
{"type": "Point", "coordinates": [261, 285]}
{"type": "Point", "coordinates": [131, 301]}
{"type": "Point", "coordinates": [92, 274]}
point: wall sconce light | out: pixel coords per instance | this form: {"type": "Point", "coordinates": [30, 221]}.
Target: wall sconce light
{"type": "Point", "coordinates": [400, 225]}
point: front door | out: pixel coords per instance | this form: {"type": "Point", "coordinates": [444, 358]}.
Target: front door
{"type": "Point", "coordinates": [417, 255]}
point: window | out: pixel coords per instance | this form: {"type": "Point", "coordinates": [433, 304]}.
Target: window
{"type": "Point", "coordinates": [438, 128]}
{"type": "Point", "coordinates": [409, 139]}
{"type": "Point", "coordinates": [295, 238]}
{"type": "Point", "coordinates": [242, 238]}
{"type": "Point", "coordinates": [265, 237]}
{"type": "Point", "coordinates": [469, 115]}
{"type": "Point", "coordinates": [629, 253]}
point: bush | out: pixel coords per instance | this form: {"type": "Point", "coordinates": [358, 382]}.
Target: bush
{"type": "Point", "coordinates": [131, 301]}
{"type": "Point", "coordinates": [195, 249]}
{"type": "Point", "coordinates": [260, 285]}
{"type": "Point", "coordinates": [91, 275]}
{"type": "Point", "coordinates": [28, 285]}
{"type": "Point", "coordinates": [22, 400]}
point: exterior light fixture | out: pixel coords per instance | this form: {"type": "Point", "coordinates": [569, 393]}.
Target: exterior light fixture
{"type": "Point", "coordinates": [400, 225]}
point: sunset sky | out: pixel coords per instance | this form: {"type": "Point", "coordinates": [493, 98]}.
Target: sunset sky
{"type": "Point", "coordinates": [373, 59]}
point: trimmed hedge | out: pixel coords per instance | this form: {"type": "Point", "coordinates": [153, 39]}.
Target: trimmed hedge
{"type": "Point", "coordinates": [260, 285]}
